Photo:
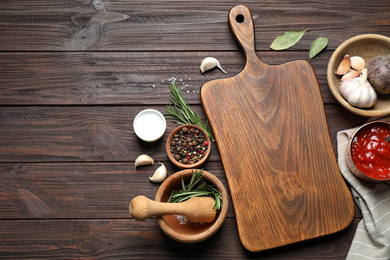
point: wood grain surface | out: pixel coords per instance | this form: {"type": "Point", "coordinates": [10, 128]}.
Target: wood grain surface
{"type": "Point", "coordinates": [271, 131]}
{"type": "Point", "coordinates": [73, 75]}
{"type": "Point", "coordinates": [131, 239]}
{"type": "Point", "coordinates": [127, 78]}
{"type": "Point", "coordinates": [177, 26]}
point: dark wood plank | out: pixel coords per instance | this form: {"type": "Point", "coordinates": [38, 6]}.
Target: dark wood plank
{"type": "Point", "coordinates": [171, 25]}
{"type": "Point", "coordinates": [98, 133]}
{"type": "Point", "coordinates": [130, 239]}
{"type": "Point", "coordinates": [77, 133]}
{"type": "Point", "coordinates": [124, 77]}
{"type": "Point", "coordinates": [79, 190]}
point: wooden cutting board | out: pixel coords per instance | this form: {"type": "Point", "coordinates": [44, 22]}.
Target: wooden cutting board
{"type": "Point", "coordinates": [272, 134]}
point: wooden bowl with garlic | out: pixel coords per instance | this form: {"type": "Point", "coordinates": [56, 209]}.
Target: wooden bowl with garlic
{"type": "Point", "coordinates": [348, 68]}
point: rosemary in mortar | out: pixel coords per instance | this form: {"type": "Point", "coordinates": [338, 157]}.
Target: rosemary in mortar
{"type": "Point", "coordinates": [180, 111]}
{"type": "Point", "coordinates": [197, 187]}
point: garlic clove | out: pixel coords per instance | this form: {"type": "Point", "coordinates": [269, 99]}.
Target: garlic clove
{"type": "Point", "coordinates": [344, 65]}
{"type": "Point", "coordinates": [160, 174]}
{"type": "Point", "coordinates": [210, 63]}
{"type": "Point", "coordinates": [350, 75]}
{"type": "Point", "coordinates": [143, 159]}
{"type": "Point", "coordinates": [357, 63]}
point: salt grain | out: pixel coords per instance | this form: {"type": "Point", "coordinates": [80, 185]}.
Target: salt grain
{"type": "Point", "coordinates": [183, 220]}
{"type": "Point", "coordinates": [183, 86]}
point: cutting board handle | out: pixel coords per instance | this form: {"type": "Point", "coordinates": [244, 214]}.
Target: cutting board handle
{"type": "Point", "coordinates": [241, 25]}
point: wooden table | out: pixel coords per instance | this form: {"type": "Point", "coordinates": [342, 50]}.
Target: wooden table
{"type": "Point", "coordinates": [73, 75]}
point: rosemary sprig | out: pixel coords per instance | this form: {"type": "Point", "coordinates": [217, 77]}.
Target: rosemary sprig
{"type": "Point", "coordinates": [182, 114]}
{"type": "Point", "coordinates": [197, 187]}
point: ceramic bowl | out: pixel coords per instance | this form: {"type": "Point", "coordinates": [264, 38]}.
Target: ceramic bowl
{"type": "Point", "coordinates": [149, 125]}
{"type": "Point", "coordinates": [366, 46]}
{"type": "Point", "coordinates": [349, 160]}
{"type": "Point", "coordinates": [190, 233]}
{"type": "Point", "coordinates": [180, 164]}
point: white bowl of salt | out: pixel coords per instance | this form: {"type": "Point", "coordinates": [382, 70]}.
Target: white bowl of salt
{"type": "Point", "coordinates": [149, 125]}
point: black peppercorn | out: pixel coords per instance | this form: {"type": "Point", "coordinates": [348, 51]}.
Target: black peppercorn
{"type": "Point", "coordinates": [188, 146]}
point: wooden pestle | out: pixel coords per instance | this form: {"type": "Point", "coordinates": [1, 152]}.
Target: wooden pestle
{"type": "Point", "coordinates": [196, 209]}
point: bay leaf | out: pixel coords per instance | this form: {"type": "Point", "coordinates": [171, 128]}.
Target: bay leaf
{"type": "Point", "coordinates": [286, 40]}
{"type": "Point", "coordinates": [317, 46]}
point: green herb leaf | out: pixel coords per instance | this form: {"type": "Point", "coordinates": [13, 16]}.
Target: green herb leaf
{"type": "Point", "coordinates": [197, 187]}
{"type": "Point", "coordinates": [181, 112]}
{"type": "Point", "coordinates": [317, 46]}
{"type": "Point", "coordinates": [286, 40]}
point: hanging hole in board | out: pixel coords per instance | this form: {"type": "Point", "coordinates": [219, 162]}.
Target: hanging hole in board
{"type": "Point", "coordinates": [240, 18]}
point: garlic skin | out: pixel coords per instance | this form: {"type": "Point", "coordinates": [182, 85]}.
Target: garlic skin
{"type": "Point", "coordinates": [143, 159]}
{"type": "Point", "coordinates": [357, 63]}
{"type": "Point", "coordinates": [210, 63]}
{"type": "Point", "coordinates": [344, 66]}
{"type": "Point", "coordinates": [358, 91]}
{"type": "Point", "coordinates": [350, 75]}
{"type": "Point", "coordinates": [160, 174]}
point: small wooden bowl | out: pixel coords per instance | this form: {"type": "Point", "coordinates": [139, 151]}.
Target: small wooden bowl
{"type": "Point", "coordinates": [184, 233]}
{"type": "Point", "coordinates": [366, 46]}
{"type": "Point", "coordinates": [349, 160]}
{"type": "Point", "coordinates": [182, 165]}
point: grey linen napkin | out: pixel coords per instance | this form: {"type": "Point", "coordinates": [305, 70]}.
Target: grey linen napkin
{"type": "Point", "coordinates": [372, 237]}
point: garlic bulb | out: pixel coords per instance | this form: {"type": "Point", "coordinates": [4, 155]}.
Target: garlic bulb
{"type": "Point", "coordinates": [143, 159]}
{"type": "Point", "coordinates": [210, 63]}
{"type": "Point", "coordinates": [160, 174]}
{"type": "Point", "coordinates": [358, 91]}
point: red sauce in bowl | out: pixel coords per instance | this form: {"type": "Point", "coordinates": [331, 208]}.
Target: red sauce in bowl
{"type": "Point", "coordinates": [370, 152]}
